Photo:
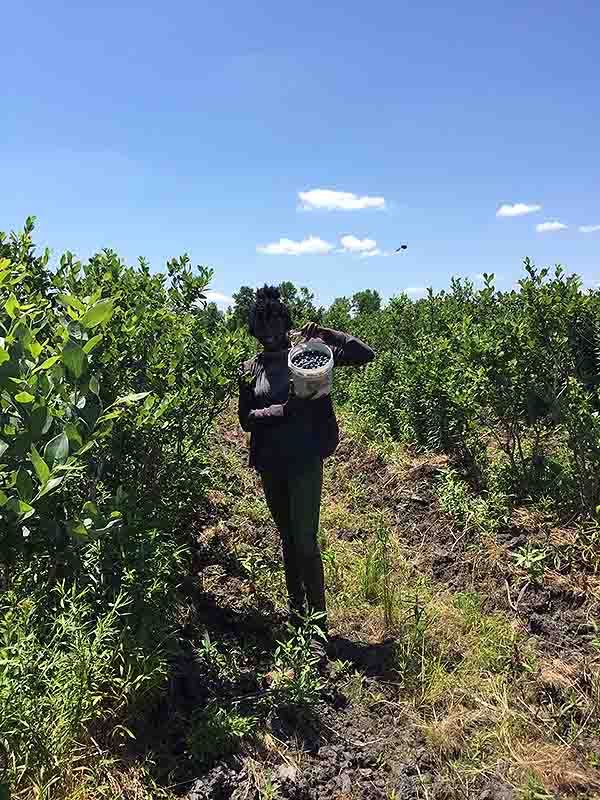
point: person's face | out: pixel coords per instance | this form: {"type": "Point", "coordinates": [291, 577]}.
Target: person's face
{"type": "Point", "coordinates": [271, 333]}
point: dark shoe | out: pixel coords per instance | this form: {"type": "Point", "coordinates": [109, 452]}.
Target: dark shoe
{"type": "Point", "coordinates": [319, 653]}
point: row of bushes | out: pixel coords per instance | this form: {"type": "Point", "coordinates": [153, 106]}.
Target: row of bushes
{"type": "Point", "coordinates": [504, 382]}
{"type": "Point", "coordinates": [109, 381]}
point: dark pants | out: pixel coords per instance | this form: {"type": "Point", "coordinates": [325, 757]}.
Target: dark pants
{"type": "Point", "coordinates": [295, 503]}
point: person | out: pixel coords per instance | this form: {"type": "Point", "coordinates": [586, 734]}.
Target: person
{"type": "Point", "coordinates": [289, 439]}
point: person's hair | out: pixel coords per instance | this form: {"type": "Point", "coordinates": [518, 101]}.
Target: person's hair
{"type": "Point", "coordinates": [266, 305]}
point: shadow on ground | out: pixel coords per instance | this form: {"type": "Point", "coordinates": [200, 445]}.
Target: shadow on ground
{"type": "Point", "coordinates": [374, 660]}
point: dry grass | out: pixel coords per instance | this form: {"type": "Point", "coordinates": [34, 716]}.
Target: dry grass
{"type": "Point", "coordinates": [448, 734]}
{"type": "Point", "coordinates": [555, 767]}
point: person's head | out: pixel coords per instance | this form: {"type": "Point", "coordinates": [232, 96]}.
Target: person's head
{"type": "Point", "coordinates": [270, 319]}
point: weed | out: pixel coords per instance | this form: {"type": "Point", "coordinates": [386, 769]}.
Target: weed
{"type": "Point", "coordinates": [332, 569]}
{"type": "Point", "coordinates": [253, 509]}
{"type": "Point", "coordinates": [532, 559]}
{"type": "Point", "coordinates": [216, 732]}
{"type": "Point", "coordinates": [295, 679]}
{"type": "Point", "coordinates": [255, 565]}
{"type": "Point", "coordinates": [376, 575]}
{"type": "Point", "coordinates": [222, 666]}
{"type": "Point", "coordinates": [372, 572]}
{"type": "Point", "coordinates": [534, 790]}
{"type": "Point", "coordinates": [482, 514]}
{"type": "Point", "coordinates": [594, 760]}
{"type": "Point", "coordinates": [53, 685]}
{"type": "Point", "coordinates": [410, 653]}
{"type": "Point", "coordinates": [339, 668]}
{"type": "Point", "coordinates": [269, 789]}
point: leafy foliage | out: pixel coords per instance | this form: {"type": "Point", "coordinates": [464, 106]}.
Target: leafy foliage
{"type": "Point", "coordinates": [110, 378]}
{"type": "Point", "coordinates": [505, 382]}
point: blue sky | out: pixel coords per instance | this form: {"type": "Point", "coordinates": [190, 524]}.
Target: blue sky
{"type": "Point", "coordinates": [158, 128]}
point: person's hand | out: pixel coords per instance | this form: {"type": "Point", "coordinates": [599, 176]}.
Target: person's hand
{"type": "Point", "coordinates": [311, 330]}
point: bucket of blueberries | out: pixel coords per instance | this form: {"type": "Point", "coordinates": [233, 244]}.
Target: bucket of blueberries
{"type": "Point", "coordinates": [311, 368]}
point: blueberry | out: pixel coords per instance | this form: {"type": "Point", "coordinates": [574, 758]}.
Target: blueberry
{"type": "Point", "coordinates": [310, 359]}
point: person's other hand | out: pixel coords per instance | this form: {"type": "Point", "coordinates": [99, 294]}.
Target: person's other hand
{"type": "Point", "coordinates": [294, 404]}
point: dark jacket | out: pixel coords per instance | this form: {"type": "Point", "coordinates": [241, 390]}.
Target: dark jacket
{"type": "Point", "coordinates": [284, 443]}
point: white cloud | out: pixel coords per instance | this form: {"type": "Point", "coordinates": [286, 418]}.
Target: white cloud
{"type": "Point", "coordinates": [222, 300]}
{"type": "Point", "coordinates": [546, 227]}
{"type": "Point", "coordinates": [589, 228]}
{"type": "Point", "coordinates": [341, 201]}
{"type": "Point", "coordinates": [312, 246]}
{"type": "Point", "coordinates": [375, 252]}
{"type": "Point", "coordinates": [416, 291]}
{"type": "Point", "coordinates": [354, 245]}
{"type": "Point", "coordinates": [516, 210]}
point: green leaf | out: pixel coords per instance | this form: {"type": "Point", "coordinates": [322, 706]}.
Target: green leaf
{"type": "Point", "coordinates": [69, 300]}
{"type": "Point", "coordinates": [42, 469]}
{"type": "Point", "coordinates": [94, 385]}
{"type": "Point", "coordinates": [90, 411]}
{"type": "Point", "coordinates": [90, 509]}
{"type": "Point", "coordinates": [78, 531]}
{"type": "Point", "coordinates": [35, 348]}
{"type": "Point", "coordinates": [22, 333]}
{"type": "Point", "coordinates": [111, 415]}
{"type": "Point", "coordinates": [52, 484]}
{"type": "Point", "coordinates": [3, 498]}
{"type": "Point", "coordinates": [24, 485]}
{"type": "Point", "coordinates": [91, 343]}
{"type": "Point", "coordinates": [39, 422]}
{"type": "Point", "coordinates": [74, 359]}
{"type": "Point", "coordinates": [3, 448]}
{"type": "Point", "coordinates": [73, 434]}
{"type": "Point", "coordinates": [102, 311]}
{"type": "Point", "coordinates": [57, 450]}
{"type": "Point", "coordinates": [85, 448]}
{"type": "Point", "coordinates": [19, 506]}
{"type": "Point", "coordinates": [4, 355]}
{"type": "Point", "coordinates": [11, 306]}
{"type": "Point", "coordinates": [24, 397]}
{"type": "Point", "coordinates": [49, 362]}
{"type": "Point", "coordinates": [131, 398]}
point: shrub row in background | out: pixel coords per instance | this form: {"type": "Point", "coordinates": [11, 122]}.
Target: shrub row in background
{"type": "Point", "coordinates": [504, 382]}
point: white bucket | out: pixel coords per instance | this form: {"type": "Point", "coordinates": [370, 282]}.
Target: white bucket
{"type": "Point", "coordinates": [315, 382]}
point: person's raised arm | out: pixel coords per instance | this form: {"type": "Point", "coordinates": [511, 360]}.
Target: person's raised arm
{"type": "Point", "coordinates": [348, 351]}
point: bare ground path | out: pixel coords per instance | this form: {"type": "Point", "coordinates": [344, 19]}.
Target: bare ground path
{"type": "Point", "coordinates": [452, 673]}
